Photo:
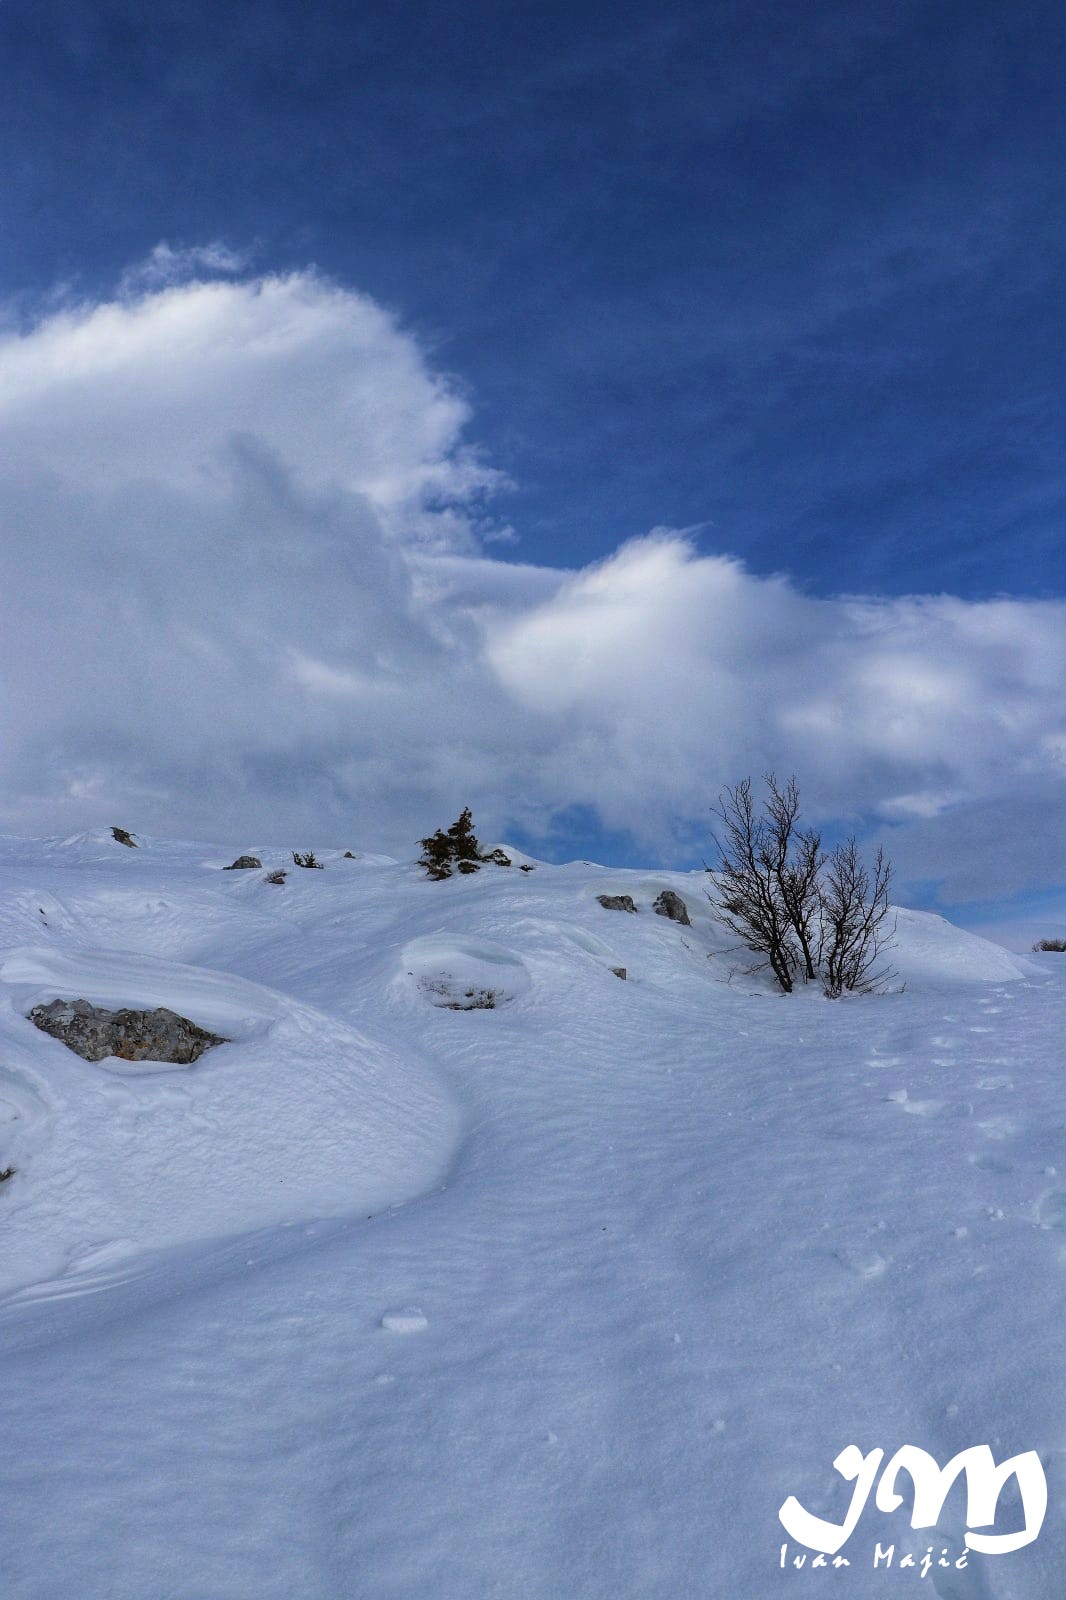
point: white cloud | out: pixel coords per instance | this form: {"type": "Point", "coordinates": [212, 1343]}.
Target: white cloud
{"type": "Point", "coordinates": [246, 595]}
{"type": "Point", "coordinates": [682, 672]}
{"type": "Point", "coordinates": [166, 265]}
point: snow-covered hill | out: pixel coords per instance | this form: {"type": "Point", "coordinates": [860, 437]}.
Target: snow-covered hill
{"type": "Point", "coordinates": [467, 1269]}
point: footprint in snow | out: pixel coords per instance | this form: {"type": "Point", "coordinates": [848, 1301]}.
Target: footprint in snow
{"type": "Point", "coordinates": [410, 1320]}
{"type": "Point", "coordinates": [863, 1263]}
{"type": "Point", "coordinates": [916, 1108]}
{"type": "Point", "coordinates": [1052, 1212]}
{"type": "Point", "coordinates": [987, 1163]}
{"type": "Point", "coordinates": [998, 1127]}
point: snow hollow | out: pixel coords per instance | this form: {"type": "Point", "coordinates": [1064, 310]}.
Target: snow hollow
{"type": "Point", "coordinates": [468, 1268]}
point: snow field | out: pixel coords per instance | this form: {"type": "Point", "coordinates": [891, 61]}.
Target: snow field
{"type": "Point", "coordinates": [684, 1239]}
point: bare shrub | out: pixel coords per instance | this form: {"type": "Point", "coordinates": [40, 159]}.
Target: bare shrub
{"type": "Point", "coordinates": [747, 894]}
{"type": "Point", "coordinates": [802, 911]}
{"type": "Point", "coordinates": [798, 859]}
{"type": "Point", "coordinates": [854, 908]}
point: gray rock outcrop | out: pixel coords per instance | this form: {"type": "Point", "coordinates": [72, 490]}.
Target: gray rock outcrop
{"type": "Point", "coordinates": [671, 905]}
{"type": "Point", "coordinates": [93, 1032]}
{"type": "Point", "coordinates": [616, 902]}
{"type": "Point", "coordinates": [242, 863]}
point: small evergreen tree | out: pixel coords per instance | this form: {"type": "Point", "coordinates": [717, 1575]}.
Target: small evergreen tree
{"type": "Point", "coordinates": [436, 855]}
{"type": "Point", "coordinates": [458, 847]}
{"type": "Point", "coordinates": [463, 838]}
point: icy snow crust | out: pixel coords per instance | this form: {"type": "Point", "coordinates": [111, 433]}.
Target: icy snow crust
{"type": "Point", "coordinates": [560, 1298]}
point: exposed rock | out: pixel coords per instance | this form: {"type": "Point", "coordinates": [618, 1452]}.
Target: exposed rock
{"type": "Point", "coordinates": [277, 876]}
{"type": "Point", "coordinates": [94, 1032]}
{"type": "Point", "coordinates": [122, 837]}
{"type": "Point", "coordinates": [620, 972]}
{"type": "Point", "coordinates": [527, 866]}
{"type": "Point", "coordinates": [8, 1172]}
{"type": "Point", "coordinates": [616, 902]}
{"type": "Point", "coordinates": [350, 856]}
{"type": "Point", "coordinates": [243, 862]}
{"type": "Point", "coordinates": [671, 905]}
{"type": "Point", "coordinates": [449, 996]}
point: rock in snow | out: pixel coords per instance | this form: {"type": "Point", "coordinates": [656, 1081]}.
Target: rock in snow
{"type": "Point", "coordinates": [671, 905]}
{"type": "Point", "coordinates": [243, 862]}
{"type": "Point", "coordinates": [94, 1033]}
{"type": "Point", "coordinates": [616, 902]}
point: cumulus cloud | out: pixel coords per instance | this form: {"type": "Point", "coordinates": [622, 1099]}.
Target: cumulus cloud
{"type": "Point", "coordinates": [676, 670]}
{"type": "Point", "coordinates": [248, 593]}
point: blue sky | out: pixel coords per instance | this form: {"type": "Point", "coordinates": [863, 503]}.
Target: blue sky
{"type": "Point", "coordinates": [788, 278]}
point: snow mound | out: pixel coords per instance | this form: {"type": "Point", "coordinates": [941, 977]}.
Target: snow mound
{"type": "Point", "coordinates": [465, 974]}
{"type": "Point", "coordinates": [929, 950]}
{"type": "Point", "coordinates": [300, 1116]}
{"type": "Point", "coordinates": [516, 857]}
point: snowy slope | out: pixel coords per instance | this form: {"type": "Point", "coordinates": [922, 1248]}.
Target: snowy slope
{"type": "Point", "coordinates": [562, 1297]}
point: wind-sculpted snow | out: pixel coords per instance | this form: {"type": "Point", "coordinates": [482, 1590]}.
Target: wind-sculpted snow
{"type": "Point", "coordinates": [928, 950]}
{"type": "Point", "coordinates": [465, 974]}
{"type": "Point", "coordinates": [300, 1116]}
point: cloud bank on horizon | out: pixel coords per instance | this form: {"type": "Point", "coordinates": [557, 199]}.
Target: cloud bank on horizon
{"type": "Point", "coordinates": [250, 592]}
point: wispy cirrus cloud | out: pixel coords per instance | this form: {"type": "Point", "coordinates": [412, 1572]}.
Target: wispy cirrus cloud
{"type": "Point", "coordinates": [168, 264]}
